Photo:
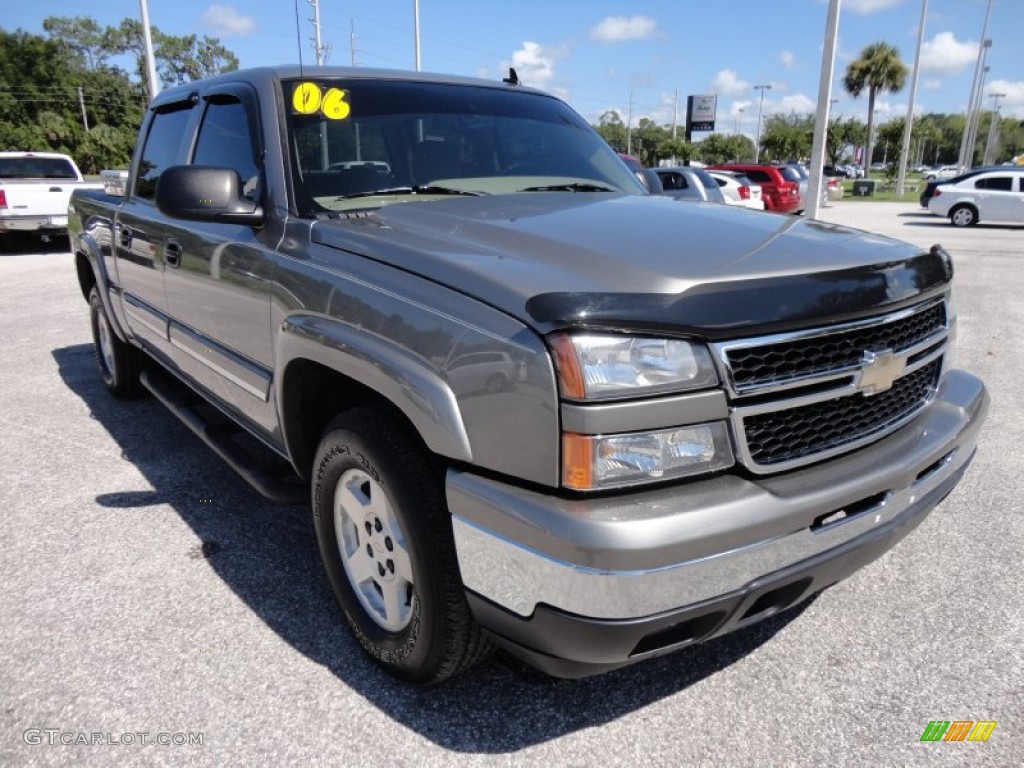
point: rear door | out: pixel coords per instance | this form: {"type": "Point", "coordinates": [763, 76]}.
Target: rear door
{"type": "Point", "coordinates": [142, 233]}
{"type": "Point", "coordinates": [996, 196]}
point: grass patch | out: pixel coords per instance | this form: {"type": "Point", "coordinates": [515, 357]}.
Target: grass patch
{"type": "Point", "coordinates": [885, 191]}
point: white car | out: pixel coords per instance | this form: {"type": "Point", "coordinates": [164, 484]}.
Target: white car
{"type": "Point", "coordinates": [945, 172]}
{"type": "Point", "coordinates": [992, 196]}
{"type": "Point", "coordinates": [739, 190]}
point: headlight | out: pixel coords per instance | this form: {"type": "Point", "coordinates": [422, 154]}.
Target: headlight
{"type": "Point", "coordinates": [595, 462]}
{"type": "Point", "coordinates": [604, 366]}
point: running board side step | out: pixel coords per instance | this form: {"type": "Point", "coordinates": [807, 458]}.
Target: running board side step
{"type": "Point", "coordinates": [273, 479]}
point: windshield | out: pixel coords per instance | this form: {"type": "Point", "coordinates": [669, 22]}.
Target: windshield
{"type": "Point", "coordinates": [364, 143]}
{"type": "Point", "coordinates": [36, 168]}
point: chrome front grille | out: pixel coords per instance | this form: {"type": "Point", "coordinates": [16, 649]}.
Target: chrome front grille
{"type": "Point", "coordinates": [801, 397]}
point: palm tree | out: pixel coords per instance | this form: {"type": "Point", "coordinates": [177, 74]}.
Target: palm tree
{"type": "Point", "coordinates": [878, 69]}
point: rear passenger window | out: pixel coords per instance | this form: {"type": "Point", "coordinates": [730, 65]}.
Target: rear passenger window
{"type": "Point", "coordinates": [759, 176]}
{"type": "Point", "coordinates": [1003, 183]}
{"type": "Point", "coordinates": [163, 148]}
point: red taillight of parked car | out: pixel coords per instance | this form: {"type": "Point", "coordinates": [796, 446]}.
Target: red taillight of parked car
{"type": "Point", "coordinates": [744, 193]}
{"type": "Point", "coordinates": [3, 199]}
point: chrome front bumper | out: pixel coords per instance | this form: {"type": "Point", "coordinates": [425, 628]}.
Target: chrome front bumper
{"type": "Point", "coordinates": [633, 556]}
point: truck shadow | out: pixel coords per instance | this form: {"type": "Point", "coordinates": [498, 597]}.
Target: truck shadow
{"type": "Point", "coordinates": [267, 555]}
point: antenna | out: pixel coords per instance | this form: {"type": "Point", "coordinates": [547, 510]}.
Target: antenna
{"type": "Point", "coordinates": [513, 78]}
{"type": "Point", "coordinates": [298, 36]}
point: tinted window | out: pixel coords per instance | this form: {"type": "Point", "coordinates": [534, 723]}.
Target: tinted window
{"type": "Point", "coordinates": [705, 178]}
{"type": "Point", "coordinates": [759, 176]}
{"type": "Point", "coordinates": [789, 174]}
{"type": "Point", "coordinates": [225, 141]}
{"type": "Point", "coordinates": [416, 134]}
{"type": "Point", "coordinates": [36, 168]}
{"type": "Point", "coordinates": [1003, 183]}
{"type": "Point", "coordinates": [673, 181]}
{"type": "Point", "coordinates": [163, 148]}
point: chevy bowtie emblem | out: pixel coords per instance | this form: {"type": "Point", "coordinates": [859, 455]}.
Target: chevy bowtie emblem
{"type": "Point", "coordinates": [879, 370]}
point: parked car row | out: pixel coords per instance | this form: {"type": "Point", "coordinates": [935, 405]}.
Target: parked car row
{"type": "Point", "coordinates": [778, 187]}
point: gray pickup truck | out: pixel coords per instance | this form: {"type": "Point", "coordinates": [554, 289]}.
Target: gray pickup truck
{"type": "Point", "coordinates": [531, 405]}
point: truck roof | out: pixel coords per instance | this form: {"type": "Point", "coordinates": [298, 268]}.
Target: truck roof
{"type": "Point", "coordinates": [268, 75]}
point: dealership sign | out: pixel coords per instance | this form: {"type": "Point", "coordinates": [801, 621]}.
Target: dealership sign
{"type": "Point", "coordinates": [700, 112]}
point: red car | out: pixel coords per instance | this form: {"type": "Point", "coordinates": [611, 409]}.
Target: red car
{"type": "Point", "coordinates": [780, 184]}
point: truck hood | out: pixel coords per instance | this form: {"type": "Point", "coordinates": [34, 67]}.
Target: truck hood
{"type": "Point", "coordinates": [562, 259]}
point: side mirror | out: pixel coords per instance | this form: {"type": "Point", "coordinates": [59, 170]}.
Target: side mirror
{"type": "Point", "coordinates": [205, 193]}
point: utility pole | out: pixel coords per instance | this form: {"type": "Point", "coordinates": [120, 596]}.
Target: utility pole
{"type": "Point", "coordinates": [81, 103]}
{"type": "Point", "coordinates": [828, 63]}
{"type": "Point", "coordinates": [909, 122]}
{"type": "Point", "coordinates": [675, 114]}
{"type": "Point", "coordinates": [147, 41]}
{"type": "Point", "coordinates": [760, 109]}
{"type": "Point", "coordinates": [629, 127]}
{"type": "Point", "coordinates": [736, 122]}
{"type": "Point", "coordinates": [321, 50]}
{"type": "Point", "coordinates": [352, 42]}
{"type": "Point", "coordinates": [993, 128]}
{"type": "Point", "coordinates": [972, 125]}
{"type": "Point", "coordinates": [416, 32]}
{"type": "Point", "coordinates": [963, 162]}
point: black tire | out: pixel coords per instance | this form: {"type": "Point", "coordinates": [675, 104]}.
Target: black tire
{"type": "Point", "coordinates": [119, 363]}
{"type": "Point", "coordinates": [496, 383]}
{"type": "Point", "coordinates": [396, 536]}
{"type": "Point", "coordinates": [963, 216]}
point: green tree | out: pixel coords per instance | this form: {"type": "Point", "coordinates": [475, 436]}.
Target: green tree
{"type": "Point", "coordinates": [720, 148]}
{"type": "Point", "coordinates": [187, 58]}
{"type": "Point", "coordinates": [842, 134]}
{"type": "Point", "coordinates": [877, 70]}
{"type": "Point", "coordinates": [787, 137]}
{"type": "Point", "coordinates": [612, 129]}
{"type": "Point", "coordinates": [81, 38]}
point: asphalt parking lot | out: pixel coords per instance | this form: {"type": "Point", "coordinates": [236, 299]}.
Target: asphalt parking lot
{"type": "Point", "coordinates": [147, 590]}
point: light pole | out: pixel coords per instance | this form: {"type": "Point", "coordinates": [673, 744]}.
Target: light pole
{"type": "Point", "coordinates": [736, 122]}
{"type": "Point", "coordinates": [760, 109]}
{"type": "Point", "coordinates": [993, 127]}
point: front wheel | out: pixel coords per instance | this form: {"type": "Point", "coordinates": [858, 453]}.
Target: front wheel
{"type": "Point", "coordinates": [385, 539]}
{"type": "Point", "coordinates": [119, 363]}
{"type": "Point", "coordinates": [963, 216]}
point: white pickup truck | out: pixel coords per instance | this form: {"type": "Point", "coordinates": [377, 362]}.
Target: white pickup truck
{"type": "Point", "coordinates": [35, 189]}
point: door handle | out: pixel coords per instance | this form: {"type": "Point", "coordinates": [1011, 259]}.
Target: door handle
{"type": "Point", "coordinates": [126, 237]}
{"type": "Point", "coordinates": [172, 254]}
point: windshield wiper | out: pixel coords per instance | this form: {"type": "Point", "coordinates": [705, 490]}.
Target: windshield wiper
{"type": "Point", "coordinates": [415, 190]}
{"type": "Point", "coordinates": [576, 186]}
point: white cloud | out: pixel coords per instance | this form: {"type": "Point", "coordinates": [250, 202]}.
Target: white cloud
{"type": "Point", "coordinates": [617, 29]}
{"type": "Point", "coordinates": [797, 103]}
{"type": "Point", "coordinates": [1012, 105]}
{"type": "Point", "coordinates": [739, 107]}
{"type": "Point", "coordinates": [932, 85]}
{"type": "Point", "coordinates": [226, 21]}
{"type": "Point", "coordinates": [788, 59]}
{"type": "Point", "coordinates": [727, 83]}
{"type": "Point", "coordinates": [883, 108]}
{"type": "Point", "coordinates": [535, 64]}
{"type": "Point", "coordinates": [869, 6]}
{"type": "Point", "coordinates": [945, 55]}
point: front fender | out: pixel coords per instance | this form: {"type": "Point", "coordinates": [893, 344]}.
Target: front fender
{"type": "Point", "coordinates": [393, 372]}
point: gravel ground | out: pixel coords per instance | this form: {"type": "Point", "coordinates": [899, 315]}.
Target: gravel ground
{"type": "Point", "coordinates": [147, 590]}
